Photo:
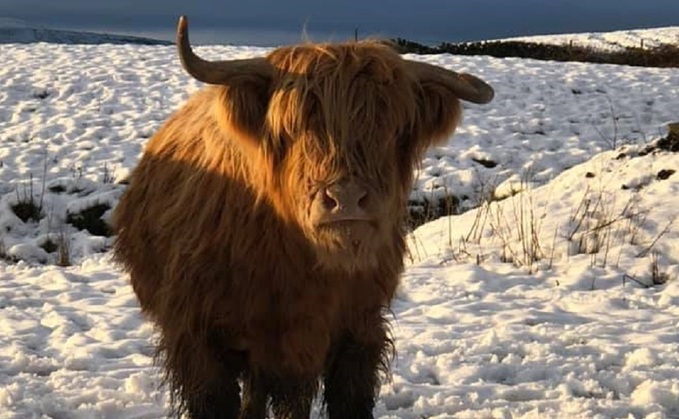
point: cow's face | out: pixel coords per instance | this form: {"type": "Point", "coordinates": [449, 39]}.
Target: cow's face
{"type": "Point", "coordinates": [332, 134]}
{"type": "Point", "coordinates": [344, 166]}
{"type": "Point", "coordinates": [346, 196]}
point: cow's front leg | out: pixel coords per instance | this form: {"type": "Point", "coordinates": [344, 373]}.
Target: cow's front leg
{"type": "Point", "coordinates": [220, 397]}
{"type": "Point", "coordinates": [255, 396]}
{"type": "Point", "coordinates": [220, 401]}
{"type": "Point", "coordinates": [352, 376]}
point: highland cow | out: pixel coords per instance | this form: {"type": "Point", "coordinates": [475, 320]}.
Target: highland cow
{"type": "Point", "coordinates": [263, 228]}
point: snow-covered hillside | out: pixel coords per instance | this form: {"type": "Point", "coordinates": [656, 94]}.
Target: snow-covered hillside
{"type": "Point", "coordinates": [15, 31]}
{"type": "Point", "coordinates": [647, 38]}
{"type": "Point", "coordinates": [559, 302]}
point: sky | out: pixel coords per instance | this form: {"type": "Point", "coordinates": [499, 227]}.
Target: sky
{"type": "Point", "coordinates": [267, 22]}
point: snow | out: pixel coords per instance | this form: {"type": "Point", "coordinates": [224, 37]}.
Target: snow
{"type": "Point", "coordinates": [561, 301]}
{"type": "Point", "coordinates": [647, 38]}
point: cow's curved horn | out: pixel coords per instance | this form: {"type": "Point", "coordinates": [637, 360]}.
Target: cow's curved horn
{"type": "Point", "coordinates": [215, 72]}
{"type": "Point", "coordinates": [465, 86]}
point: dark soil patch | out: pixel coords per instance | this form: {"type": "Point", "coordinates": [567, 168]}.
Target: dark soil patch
{"type": "Point", "coordinates": [90, 219]}
{"type": "Point", "coordinates": [27, 210]}
{"type": "Point", "coordinates": [665, 174]}
{"type": "Point", "coordinates": [421, 212]}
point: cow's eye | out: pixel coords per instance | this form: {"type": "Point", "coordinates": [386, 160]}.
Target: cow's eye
{"type": "Point", "coordinates": [313, 186]}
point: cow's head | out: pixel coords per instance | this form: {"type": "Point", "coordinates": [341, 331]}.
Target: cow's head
{"type": "Point", "coordinates": [333, 132]}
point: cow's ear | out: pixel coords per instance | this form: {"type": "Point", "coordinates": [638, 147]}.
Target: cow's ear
{"type": "Point", "coordinates": [439, 112]}
{"type": "Point", "coordinates": [438, 93]}
{"type": "Point", "coordinates": [243, 87]}
{"type": "Point", "coordinates": [241, 107]}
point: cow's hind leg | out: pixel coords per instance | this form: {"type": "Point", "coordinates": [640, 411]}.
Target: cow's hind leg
{"type": "Point", "coordinates": [352, 375]}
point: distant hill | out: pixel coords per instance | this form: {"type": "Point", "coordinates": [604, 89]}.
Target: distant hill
{"type": "Point", "coordinates": [14, 31]}
{"type": "Point", "coordinates": [640, 47]}
{"type": "Point", "coordinates": [610, 41]}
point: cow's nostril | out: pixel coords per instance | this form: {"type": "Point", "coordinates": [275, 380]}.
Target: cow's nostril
{"type": "Point", "coordinates": [329, 201]}
{"type": "Point", "coordinates": [363, 200]}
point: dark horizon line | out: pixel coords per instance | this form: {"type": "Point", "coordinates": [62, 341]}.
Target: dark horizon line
{"type": "Point", "coordinates": [209, 34]}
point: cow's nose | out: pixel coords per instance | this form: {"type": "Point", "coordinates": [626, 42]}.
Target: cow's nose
{"type": "Point", "coordinates": [344, 197]}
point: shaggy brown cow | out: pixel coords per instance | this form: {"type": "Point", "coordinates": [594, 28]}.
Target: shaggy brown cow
{"type": "Point", "coordinates": [263, 227]}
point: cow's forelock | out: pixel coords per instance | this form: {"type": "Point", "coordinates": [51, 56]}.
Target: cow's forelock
{"type": "Point", "coordinates": [337, 120]}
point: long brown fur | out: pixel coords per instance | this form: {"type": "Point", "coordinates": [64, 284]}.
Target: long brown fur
{"type": "Point", "coordinates": [212, 227]}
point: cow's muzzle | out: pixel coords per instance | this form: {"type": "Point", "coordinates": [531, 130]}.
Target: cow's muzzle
{"type": "Point", "coordinates": [341, 202]}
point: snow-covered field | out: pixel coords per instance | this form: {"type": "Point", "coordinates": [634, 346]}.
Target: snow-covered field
{"type": "Point", "coordinates": [560, 302]}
